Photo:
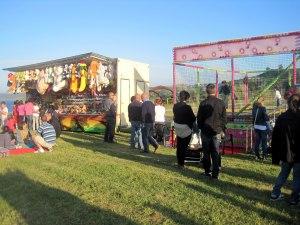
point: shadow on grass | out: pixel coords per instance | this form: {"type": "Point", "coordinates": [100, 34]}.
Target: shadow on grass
{"type": "Point", "coordinates": [248, 194]}
{"type": "Point", "coordinates": [39, 204]}
{"type": "Point", "coordinates": [175, 216]}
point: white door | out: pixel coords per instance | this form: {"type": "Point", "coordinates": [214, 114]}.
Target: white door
{"type": "Point", "coordinates": [125, 100]}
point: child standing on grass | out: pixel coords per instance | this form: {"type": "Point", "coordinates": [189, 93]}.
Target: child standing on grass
{"type": "Point", "coordinates": [21, 111]}
{"type": "Point", "coordinates": [4, 113]}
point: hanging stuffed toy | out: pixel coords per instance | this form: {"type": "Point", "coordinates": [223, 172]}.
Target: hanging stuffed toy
{"type": "Point", "coordinates": [27, 75]}
{"type": "Point", "coordinates": [49, 75]}
{"type": "Point", "coordinates": [93, 72]}
{"type": "Point", "coordinates": [102, 80]}
{"type": "Point", "coordinates": [83, 76]}
{"type": "Point", "coordinates": [20, 78]}
{"type": "Point", "coordinates": [74, 79]}
{"type": "Point", "coordinates": [59, 82]}
{"type": "Point", "coordinates": [66, 72]}
{"type": "Point", "coordinates": [42, 85]}
{"type": "Point", "coordinates": [11, 83]}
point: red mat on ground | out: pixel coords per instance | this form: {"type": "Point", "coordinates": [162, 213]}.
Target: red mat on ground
{"type": "Point", "coordinates": [19, 151]}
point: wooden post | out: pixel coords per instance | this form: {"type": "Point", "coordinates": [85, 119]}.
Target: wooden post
{"type": "Point", "coordinates": [232, 87]}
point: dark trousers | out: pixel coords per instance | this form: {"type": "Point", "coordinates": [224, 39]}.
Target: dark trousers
{"type": "Point", "coordinates": [261, 138]}
{"type": "Point", "coordinates": [147, 136]}
{"type": "Point", "coordinates": [211, 154]}
{"type": "Point", "coordinates": [182, 145]}
{"type": "Point", "coordinates": [159, 131]}
{"type": "Point", "coordinates": [110, 130]}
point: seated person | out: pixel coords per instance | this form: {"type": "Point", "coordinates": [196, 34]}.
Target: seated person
{"type": "Point", "coordinates": [11, 124]}
{"type": "Point", "coordinates": [6, 140]}
{"type": "Point", "coordinates": [45, 136]}
{"type": "Point", "coordinates": [22, 136]}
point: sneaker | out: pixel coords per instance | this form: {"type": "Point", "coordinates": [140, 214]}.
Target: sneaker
{"type": "Point", "coordinates": [276, 197]}
{"type": "Point", "coordinates": [156, 147]}
{"type": "Point", "coordinates": [206, 174]}
{"type": "Point", "coordinates": [41, 150]}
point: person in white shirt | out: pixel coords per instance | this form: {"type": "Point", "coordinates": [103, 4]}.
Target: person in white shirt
{"type": "Point", "coordinates": [4, 113]}
{"type": "Point", "coordinates": [277, 97]}
{"type": "Point", "coordinates": [160, 112]}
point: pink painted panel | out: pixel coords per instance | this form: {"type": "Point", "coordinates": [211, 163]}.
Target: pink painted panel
{"type": "Point", "coordinates": [263, 45]}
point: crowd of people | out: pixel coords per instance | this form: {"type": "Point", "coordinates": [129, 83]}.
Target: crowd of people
{"type": "Point", "coordinates": [28, 126]}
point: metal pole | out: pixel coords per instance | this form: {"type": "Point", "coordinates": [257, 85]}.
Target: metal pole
{"type": "Point", "coordinates": [232, 87]}
{"type": "Point", "coordinates": [217, 84]}
{"type": "Point", "coordinates": [294, 68]}
{"type": "Point", "coordinates": [174, 83]}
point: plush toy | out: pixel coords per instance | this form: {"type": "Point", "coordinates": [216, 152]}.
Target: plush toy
{"type": "Point", "coordinates": [93, 71]}
{"type": "Point", "coordinates": [59, 82]}
{"type": "Point", "coordinates": [11, 83]}
{"type": "Point", "coordinates": [49, 75]}
{"type": "Point", "coordinates": [102, 80]}
{"type": "Point", "coordinates": [27, 75]}
{"type": "Point", "coordinates": [74, 79]}
{"type": "Point", "coordinates": [20, 79]}
{"type": "Point", "coordinates": [42, 85]}
{"type": "Point", "coordinates": [83, 76]}
{"type": "Point", "coordinates": [66, 72]}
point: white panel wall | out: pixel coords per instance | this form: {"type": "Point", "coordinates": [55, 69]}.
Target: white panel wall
{"type": "Point", "coordinates": [138, 76]}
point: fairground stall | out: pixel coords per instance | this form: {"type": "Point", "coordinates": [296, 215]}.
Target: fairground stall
{"type": "Point", "coordinates": [78, 85]}
{"type": "Point", "coordinates": [252, 67]}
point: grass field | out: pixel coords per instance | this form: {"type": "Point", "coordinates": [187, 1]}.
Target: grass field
{"type": "Point", "coordinates": [85, 181]}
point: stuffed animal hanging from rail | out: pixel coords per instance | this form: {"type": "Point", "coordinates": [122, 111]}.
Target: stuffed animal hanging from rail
{"type": "Point", "coordinates": [93, 72]}
{"type": "Point", "coordinates": [59, 82]}
{"type": "Point", "coordinates": [11, 83]}
{"type": "Point", "coordinates": [74, 79]}
{"type": "Point", "coordinates": [83, 76]}
{"type": "Point", "coordinates": [42, 85]}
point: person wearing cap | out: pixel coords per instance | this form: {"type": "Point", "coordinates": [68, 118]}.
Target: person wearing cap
{"type": "Point", "coordinates": [211, 120]}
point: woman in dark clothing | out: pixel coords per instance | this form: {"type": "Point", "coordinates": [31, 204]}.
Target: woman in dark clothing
{"type": "Point", "coordinates": [184, 119]}
{"type": "Point", "coordinates": [286, 149]}
{"type": "Point", "coordinates": [261, 128]}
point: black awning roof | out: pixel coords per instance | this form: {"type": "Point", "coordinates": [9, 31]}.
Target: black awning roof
{"type": "Point", "coordinates": [67, 60]}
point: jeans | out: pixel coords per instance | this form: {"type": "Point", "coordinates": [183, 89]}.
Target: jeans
{"type": "Point", "coordinates": [182, 145]}
{"type": "Point", "coordinates": [136, 134]}
{"type": "Point", "coordinates": [261, 138]}
{"type": "Point", "coordinates": [110, 130]}
{"type": "Point", "coordinates": [159, 131]}
{"type": "Point", "coordinates": [282, 177]}
{"type": "Point", "coordinates": [28, 120]}
{"type": "Point", "coordinates": [211, 154]}
{"type": "Point", "coordinates": [147, 134]}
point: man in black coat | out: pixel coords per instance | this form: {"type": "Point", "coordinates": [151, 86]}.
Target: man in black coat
{"type": "Point", "coordinates": [135, 118]}
{"type": "Point", "coordinates": [148, 118]}
{"type": "Point", "coordinates": [211, 119]}
{"type": "Point", "coordinates": [110, 107]}
{"type": "Point", "coordinates": [286, 149]}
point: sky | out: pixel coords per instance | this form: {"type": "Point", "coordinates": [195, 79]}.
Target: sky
{"type": "Point", "coordinates": [36, 30]}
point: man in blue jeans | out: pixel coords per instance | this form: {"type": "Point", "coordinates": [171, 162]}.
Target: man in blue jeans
{"type": "Point", "coordinates": [135, 118]}
{"type": "Point", "coordinates": [286, 149]}
{"type": "Point", "coordinates": [148, 118]}
{"type": "Point", "coordinates": [211, 120]}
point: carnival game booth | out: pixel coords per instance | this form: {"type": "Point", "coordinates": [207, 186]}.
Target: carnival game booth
{"type": "Point", "coordinates": [78, 86]}
{"type": "Point", "coordinates": [252, 67]}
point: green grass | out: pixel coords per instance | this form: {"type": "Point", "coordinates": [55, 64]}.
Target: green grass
{"type": "Point", "coordinates": [84, 181]}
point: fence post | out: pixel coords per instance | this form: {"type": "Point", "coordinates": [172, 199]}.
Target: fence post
{"type": "Point", "coordinates": [174, 83]}
{"type": "Point", "coordinates": [232, 87]}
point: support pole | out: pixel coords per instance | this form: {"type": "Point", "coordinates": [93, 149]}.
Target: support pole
{"type": "Point", "coordinates": [294, 68]}
{"type": "Point", "coordinates": [174, 83]}
{"type": "Point", "coordinates": [217, 84]}
{"type": "Point", "coordinates": [232, 87]}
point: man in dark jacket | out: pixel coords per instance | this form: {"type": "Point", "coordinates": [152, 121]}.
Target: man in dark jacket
{"type": "Point", "coordinates": [148, 118]}
{"type": "Point", "coordinates": [211, 120]}
{"type": "Point", "coordinates": [135, 118]}
{"type": "Point", "coordinates": [286, 149]}
{"type": "Point", "coordinates": [110, 108]}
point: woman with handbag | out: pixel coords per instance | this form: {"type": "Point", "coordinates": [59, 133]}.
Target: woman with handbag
{"type": "Point", "coordinates": [261, 127]}
{"type": "Point", "coordinates": [184, 119]}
